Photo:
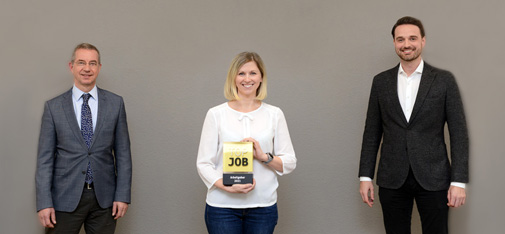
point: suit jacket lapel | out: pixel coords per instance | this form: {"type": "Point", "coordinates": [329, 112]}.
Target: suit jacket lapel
{"type": "Point", "coordinates": [424, 87]}
{"type": "Point", "coordinates": [102, 108]}
{"type": "Point", "coordinates": [393, 93]}
{"type": "Point", "coordinates": [68, 109]}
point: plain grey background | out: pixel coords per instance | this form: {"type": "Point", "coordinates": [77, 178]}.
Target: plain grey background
{"type": "Point", "coordinates": [169, 59]}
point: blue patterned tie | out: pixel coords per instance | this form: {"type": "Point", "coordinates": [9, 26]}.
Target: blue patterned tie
{"type": "Point", "coordinates": [87, 130]}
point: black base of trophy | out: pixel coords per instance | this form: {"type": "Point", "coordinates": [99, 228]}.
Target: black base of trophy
{"type": "Point", "coordinates": [243, 178]}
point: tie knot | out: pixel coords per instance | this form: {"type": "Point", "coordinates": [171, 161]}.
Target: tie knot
{"type": "Point", "coordinates": [85, 97]}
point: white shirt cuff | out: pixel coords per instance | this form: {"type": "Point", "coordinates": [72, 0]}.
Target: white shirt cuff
{"type": "Point", "coordinates": [364, 178]}
{"type": "Point", "coordinates": [458, 184]}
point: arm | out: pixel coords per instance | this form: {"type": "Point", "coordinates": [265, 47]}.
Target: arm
{"type": "Point", "coordinates": [45, 160]}
{"type": "Point", "coordinates": [284, 161]}
{"type": "Point", "coordinates": [122, 155]}
{"type": "Point", "coordinates": [44, 174]}
{"type": "Point", "coordinates": [276, 163]}
{"type": "Point", "coordinates": [456, 123]}
{"type": "Point", "coordinates": [370, 146]}
{"type": "Point", "coordinates": [206, 162]}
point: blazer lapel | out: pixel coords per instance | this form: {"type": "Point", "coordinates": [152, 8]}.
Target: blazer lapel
{"type": "Point", "coordinates": [102, 108]}
{"type": "Point", "coordinates": [393, 93]}
{"type": "Point", "coordinates": [68, 109]}
{"type": "Point", "coordinates": [424, 87]}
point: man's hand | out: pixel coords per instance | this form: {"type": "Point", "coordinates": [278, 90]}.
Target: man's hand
{"type": "Point", "coordinates": [364, 188]}
{"type": "Point", "coordinates": [119, 209]}
{"type": "Point", "coordinates": [456, 196]}
{"type": "Point", "coordinates": [47, 217]}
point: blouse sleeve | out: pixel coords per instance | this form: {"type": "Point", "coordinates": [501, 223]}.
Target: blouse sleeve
{"type": "Point", "coordinates": [206, 161]}
{"type": "Point", "coordinates": [283, 148]}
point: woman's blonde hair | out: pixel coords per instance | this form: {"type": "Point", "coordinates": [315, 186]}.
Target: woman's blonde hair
{"type": "Point", "coordinates": [230, 89]}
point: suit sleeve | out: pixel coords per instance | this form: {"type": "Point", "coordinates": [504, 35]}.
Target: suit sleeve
{"type": "Point", "coordinates": [45, 160]}
{"type": "Point", "coordinates": [372, 134]}
{"type": "Point", "coordinates": [456, 123]}
{"type": "Point", "coordinates": [123, 158]}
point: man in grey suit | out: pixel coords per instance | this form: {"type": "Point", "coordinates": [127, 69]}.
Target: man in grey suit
{"type": "Point", "coordinates": [408, 108]}
{"type": "Point", "coordinates": [84, 167]}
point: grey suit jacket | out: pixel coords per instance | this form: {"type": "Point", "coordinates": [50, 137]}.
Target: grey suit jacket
{"type": "Point", "coordinates": [418, 143]}
{"type": "Point", "coordinates": [63, 155]}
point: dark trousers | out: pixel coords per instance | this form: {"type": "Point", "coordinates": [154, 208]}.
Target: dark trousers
{"type": "Point", "coordinates": [397, 207]}
{"type": "Point", "coordinates": [96, 220]}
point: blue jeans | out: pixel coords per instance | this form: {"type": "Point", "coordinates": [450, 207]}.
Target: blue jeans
{"type": "Point", "coordinates": [260, 220]}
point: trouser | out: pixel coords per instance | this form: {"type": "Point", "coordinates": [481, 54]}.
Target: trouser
{"type": "Point", "coordinates": [259, 220]}
{"type": "Point", "coordinates": [96, 220]}
{"type": "Point", "coordinates": [397, 207]}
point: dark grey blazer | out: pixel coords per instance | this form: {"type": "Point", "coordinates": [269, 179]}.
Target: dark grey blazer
{"type": "Point", "coordinates": [419, 142]}
{"type": "Point", "coordinates": [63, 155]}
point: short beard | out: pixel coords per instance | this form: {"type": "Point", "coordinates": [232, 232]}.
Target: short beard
{"type": "Point", "coordinates": [410, 58]}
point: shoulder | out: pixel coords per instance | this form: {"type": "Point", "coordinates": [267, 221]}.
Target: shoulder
{"type": "Point", "coordinates": [273, 110]}
{"type": "Point", "coordinates": [215, 113]}
{"type": "Point", "coordinates": [218, 108]}
{"type": "Point", "coordinates": [392, 72]}
{"type": "Point", "coordinates": [440, 74]}
{"type": "Point", "coordinates": [60, 98]}
{"type": "Point", "coordinates": [436, 70]}
{"type": "Point", "coordinates": [109, 95]}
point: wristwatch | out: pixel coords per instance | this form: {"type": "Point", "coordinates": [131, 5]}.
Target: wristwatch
{"type": "Point", "coordinates": [270, 158]}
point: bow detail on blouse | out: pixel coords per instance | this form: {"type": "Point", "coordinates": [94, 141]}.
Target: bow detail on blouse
{"type": "Point", "coordinates": [247, 118]}
{"type": "Point", "coordinates": [245, 115]}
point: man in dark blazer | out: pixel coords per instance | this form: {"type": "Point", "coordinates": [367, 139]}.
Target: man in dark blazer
{"type": "Point", "coordinates": [408, 108]}
{"type": "Point", "coordinates": [84, 167]}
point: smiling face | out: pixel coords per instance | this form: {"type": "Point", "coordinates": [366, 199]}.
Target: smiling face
{"type": "Point", "coordinates": [248, 80]}
{"type": "Point", "coordinates": [85, 69]}
{"type": "Point", "coordinates": [408, 42]}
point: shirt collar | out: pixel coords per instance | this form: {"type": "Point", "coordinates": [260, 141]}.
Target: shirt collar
{"type": "Point", "coordinates": [77, 93]}
{"type": "Point", "coordinates": [418, 70]}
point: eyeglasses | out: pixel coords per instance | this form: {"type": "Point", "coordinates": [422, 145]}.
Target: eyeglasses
{"type": "Point", "coordinates": [83, 63]}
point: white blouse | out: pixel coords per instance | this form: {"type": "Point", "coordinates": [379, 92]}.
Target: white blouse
{"type": "Point", "coordinates": [266, 125]}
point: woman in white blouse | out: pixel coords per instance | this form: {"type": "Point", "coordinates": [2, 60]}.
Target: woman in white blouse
{"type": "Point", "coordinates": [244, 208]}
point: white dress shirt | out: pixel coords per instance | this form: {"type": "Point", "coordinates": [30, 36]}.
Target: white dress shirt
{"type": "Point", "coordinates": [266, 125]}
{"type": "Point", "coordinates": [408, 87]}
{"type": "Point", "coordinates": [92, 102]}
{"type": "Point", "coordinates": [407, 94]}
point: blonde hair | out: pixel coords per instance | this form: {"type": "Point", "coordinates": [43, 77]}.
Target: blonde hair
{"type": "Point", "coordinates": [230, 89]}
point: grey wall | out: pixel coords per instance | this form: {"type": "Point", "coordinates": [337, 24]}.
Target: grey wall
{"type": "Point", "coordinates": [169, 59]}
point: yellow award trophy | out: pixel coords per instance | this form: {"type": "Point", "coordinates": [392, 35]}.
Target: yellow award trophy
{"type": "Point", "coordinates": [237, 163]}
